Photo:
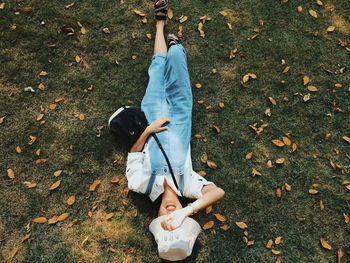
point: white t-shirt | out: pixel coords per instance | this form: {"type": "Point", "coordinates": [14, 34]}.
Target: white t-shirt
{"type": "Point", "coordinates": [138, 174]}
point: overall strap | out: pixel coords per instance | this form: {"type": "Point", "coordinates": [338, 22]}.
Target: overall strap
{"type": "Point", "coordinates": [166, 158]}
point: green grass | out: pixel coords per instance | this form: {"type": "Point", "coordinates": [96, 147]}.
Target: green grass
{"type": "Point", "coordinates": [286, 34]}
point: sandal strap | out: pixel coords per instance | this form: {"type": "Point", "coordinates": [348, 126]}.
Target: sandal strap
{"type": "Point", "coordinates": [162, 7]}
{"type": "Point", "coordinates": [160, 17]}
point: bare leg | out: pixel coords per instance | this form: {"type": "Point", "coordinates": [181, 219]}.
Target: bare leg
{"type": "Point", "coordinates": [159, 42]}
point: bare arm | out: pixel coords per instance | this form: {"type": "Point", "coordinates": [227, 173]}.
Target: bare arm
{"type": "Point", "coordinates": [156, 126]}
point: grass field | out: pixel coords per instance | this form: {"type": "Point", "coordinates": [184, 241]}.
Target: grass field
{"type": "Point", "coordinates": [103, 64]}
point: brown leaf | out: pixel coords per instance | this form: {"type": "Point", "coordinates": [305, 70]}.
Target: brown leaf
{"type": "Point", "coordinates": [330, 29]}
{"type": "Point", "coordinates": [212, 165]}
{"type": "Point", "coordinates": [278, 143]}
{"type": "Point", "coordinates": [40, 220]}
{"type": "Point", "coordinates": [71, 200]}
{"type": "Point", "coordinates": [340, 255]}
{"type": "Point", "coordinates": [325, 244]}
{"type": "Point", "coordinates": [40, 161]}
{"type": "Point", "coordinates": [115, 180]}
{"type": "Point", "coordinates": [14, 252]}
{"type": "Point", "coordinates": [40, 117]}
{"type": "Point", "coordinates": [30, 184]}
{"type": "Point", "coordinates": [208, 225]}
{"type": "Point", "coordinates": [220, 217]}
{"type": "Point", "coordinates": [57, 173]}
{"type": "Point", "coordinates": [208, 209]}
{"type": "Point", "coordinates": [321, 205]}
{"type": "Point", "coordinates": [225, 227]}
{"type": "Point", "coordinates": [94, 185]}
{"type": "Point", "coordinates": [183, 19]}
{"type": "Point", "coordinates": [11, 173]}
{"type": "Point", "coordinates": [313, 13]}
{"type": "Point", "coordinates": [294, 147]}
{"type": "Point", "coordinates": [288, 187]}
{"type": "Point", "coordinates": [55, 185]}
{"type": "Point", "coordinates": [223, 13]}
{"type": "Point", "coordinates": [275, 252]}
{"type": "Point", "coordinates": [278, 240]}
{"type": "Point", "coordinates": [286, 69]}
{"type": "Point", "coordinates": [280, 161]}
{"type": "Point", "coordinates": [346, 138]}
{"type": "Point", "coordinates": [217, 129]}
{"type": "Point", "coordinates": [269, 244]}
{"type": "Point", "coordinates": [25, 238]}
{"type": "Point", "coordinates": [41, 86]}
{"type": "Point", "coordinates": [286, 140]}
{"type": "Point", "coordinates": [2, 119]}
{"type": "Point", "coordinates": [346, 218]}
{"type": "Point", "coordinates": [255, 172]}
{"type": "Point", "coordinates": [241, 225]}
{"type": "Point", "coordinates": [170, 13]}
{"type": "Point", "coordinates": [250, 243]}
{"type": "Point", "coordinates": [204, 157]}
{"type": "Point", "coordinates": [53, 220]}
{"type": "Point", "coordinates": [202, 173]}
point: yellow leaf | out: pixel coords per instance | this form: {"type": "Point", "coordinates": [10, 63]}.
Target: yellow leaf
{"type": "Point", "coordinates": [220, 217]}
{"type": "Point", "coordinates": [346, 138]}
{"type": "Point", "coordinates": [280, 161]}
{"type": "Point", "coordinates": [40, 220]}
{"type": "Point", "coordinates": [18, 149]}
{"type": "Point", "coordinates": [255, 172]}
{"type": "Point", "coordinates": [71, 200]}
{"type": "Point", "coordinates": [312, 88]}
{"type": "Point", "coordinates": [319, 2]}
{"type": "Point", "coordinates": [278, 240]}
{"type": "Point", "coordinates": [212, 165]}
{"type": "Point", "coordinates": [269, 244]}
{"type": "Point", "coordinates": [300, 9]}
{"type": "Point", "coordinates": [278, 143]}
{"type": "Point", "coordinates": [241, 225]}
{"type": "Point", "coordinates": [250, 242]}
{"type": "Point", "coordinates": [217, 129]}
{"type": "Point", "coordinates": [183, 19]}
{"type": "Point", "coordinates": [306, 80]}
{"type": "Point", "coordinates": [57, 173]}
{"type": "Point", "coordinates": [223, 13]}
{"type": "Point", "coordinates": [55, 185]}
{"type": "Point", "coordinates": [313, 13]}
{"type": "Point", "coordinates": [53, 220]}
{"type": "Point", "coordinates": [11, 173]}
{"type": "Point", "coordinates": [109, 216]}
{"type": "Point", "coordinates": [221, 105]}
{"type": "Point", "coordinates": [43, 74]}
{"type": "Point", "coordinates": [170, 13]}
{"type": "Point", "coordinates": [83, 30]}
{"type": "Point", "coordinates": [245, 78]}
{"type": "Point", "coordinates": [275, 252]}
{"type": "Point", "coordinates": [198, 85]}
{"type": "Point", "coordinates": [325, 244]}
{"type": "Point", "coordinates": [81, 116]}
{"type": "Point", "coordinates": [273, 101]}
{"type": "Point", "coordinates": [313, 191]}
{"type": "Point", "coordinates": [94, 185]}
{"type": "Point", "coordinates": [63, 217]}
{"type": "Point", "coordinates": [294, 147]}
{"type": "Point", "coordinates": [208, 225]}
{"type": "Point", "coordinates": [40, 117]}
{"type": "Point", "coordinates": [252, 75]}
{"type": "Point", "coordinates": [77, 58]}
{"type": "Point", "coordinates": [139, 13]}
{"type": "Point", "coordinates": [25, 238]}
{"type": "Point", "coordinates": [330, 29]}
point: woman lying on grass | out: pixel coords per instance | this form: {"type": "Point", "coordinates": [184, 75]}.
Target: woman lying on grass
{"type": "Point", "coordinates": [167, 105]}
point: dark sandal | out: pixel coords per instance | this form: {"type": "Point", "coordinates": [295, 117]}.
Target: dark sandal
{"type": "Point", "coordinates": [172, 40]}
{"type": "Point", "coordinates": [161, 9]}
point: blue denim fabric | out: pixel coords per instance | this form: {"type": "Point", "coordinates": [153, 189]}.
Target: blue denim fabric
{"type": "Point", "coordinates": [169, 94]}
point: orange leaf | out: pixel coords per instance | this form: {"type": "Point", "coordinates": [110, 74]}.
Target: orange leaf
{"type": "Point", "coordinates": [269, 244]}
{"type": "Point", "coordinates": [55, 185]}
{"type": "Point", "coordinates": [81, 116]}
{"type": "Point", "coordinates": [273, 101]}
{"type": "Point", "coordinates": [280, 161]}
{"type": "Point", "coordinates": [220, 217]}
{"type": "Point", "coordinates": [294, 147]}
{"type": "Point", "coordinates": [40, 117]}
{"type": "Point", "coordinates": [325, 244]}
{"type": "Point", "coordinates": [53, 106]}
{"type": "Point", "coordinates": [212, 165]}
{"type": "Point", "coordinates": [312, 88]}
{"type": "Point", "coordinates": [25, 238]}
{"type": "Point", "coordinates": [313, 13]}
{"type": "Point", "coordinates": [288, 187]}
{"type": "Point", "coordinates": [278, 192]}
{"type": "Point", "coordinates": [170, 13]}
{"type": "Point", "coordinates": [40, 161]}
{"type": "Point", "coordinates": [208, 209]}
{"type": "Point", "coordinates": [18, 149]}
{"type": "Point", "coordinates": [241, 225]}
{"type": "Point", "coordinates": [313, 191]}
{"type": "Point", "coordinates": [225, 227]}
{"type": "Point", "coordinates": [63, 217]}
{"type": "Point", "coordinates": [11, 173]}
{"type": "Point", "coordinates": [306, 80]}
{"type": "Point", "coordinates": [115, 180]}
{"type": "Point", "coordinates": [94, 185]}
{"type": "Point", "coordinates": [202, 173]}
{"type": "Point", "coordinates": [71, 200]}
{"type": "Point", "coordinates": [57, 173]}
{"type": "Point", "coordinates": [14, 252]}
{"type": "Point", "coordinates": [286, 140]}
{"type": "Point", "coordinates": [59, 99]}
{"type": "Point", "coordinates": [346, 218]}
{"type": "Point", "coordinates": [278, 240]}
{"type": "Point", "coordinates": [208, 225]}
{"type": "Point", "coordinates": [321, 205]}
{"type": "Point", "coordinates": [40, 220]}
{"type": "Point", "coordinates": [53, 220]}
{"type": "Point", "coordinates": [278, 143]}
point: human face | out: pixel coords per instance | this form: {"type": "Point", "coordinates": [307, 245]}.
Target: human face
{"type": "Point", "coordinates": [170, 201]}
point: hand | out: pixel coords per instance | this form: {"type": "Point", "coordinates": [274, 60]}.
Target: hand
{"type": "Point", "coordinates": [157, 125]}
{"type": "Point", "coordinates": [176, 218]}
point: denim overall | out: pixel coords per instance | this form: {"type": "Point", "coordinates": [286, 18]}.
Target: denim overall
{"type": "Point", "coordinates": [169, 94]}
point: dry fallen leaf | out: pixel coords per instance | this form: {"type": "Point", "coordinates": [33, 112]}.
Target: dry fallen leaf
{"type": "Point", "coordinates": [94, 185]}
{"type": "Point", "coordinates": [340, 255]}
{"type": "Point", "coordinates": [278, 143]}
{"type": "Point", "coordinates": [53, 220]}
{"type": "Point", "coordinates": [77, 59]}
{"type": "Point", "coordinates": [204, 157]}
{"type": "Point", "coordinates": [241, 225]}
{"type": "Point", "coordinates": [325, 244]}
{"type": "Point", "coordinates": [220, 217]}
{"type": "Point", "coordinates": [269, 244]}
{"type": "Point", "coordinates": [57, 173]}
{"type": "Point", "coordinates": [11, 173]}
{"type": "Point", "coordinates": [40, 161]}
{"type": "Point", "coordinates": [286, 140]}
{"type": "Point", "coordinates": [346, 138]}
{"type": "Point", "coordinates": [183, 19]}
{"type": "Point", "coordinates": [81, 116]}
{"type": "Point", "coordinates": [321, 205]}
{"type": "Point", "coordinates": [212, 165]}
{"type": "Point", "coordinates": [25, 238]}
{"type": "Point", "coordinates": [2, 119]}
{"type": "Point", "coordinates": [43, 74]}
{"type": "Point", "coordinates": [71, 200]}
{"type": "Point", "coordinates": [275, 252]}
{"type": "Point", "coordinates": [249, 156]}
{"type": "Point", "coordinates": [115, 180]}
{"type": "Point", "coordinates": [14, 252]}
{"type": "Point", "coordinates": [313, 13]}
{"type": "Point", "coordinates": [346, 218]}
{"type": "Point", "coordinates": [170, 13]}
{"type": "Point", "coordinates": [255, 172]}
{"type": "Point", "coordinates": [63, 217]}
{"type": "Point", "coordinates": [40, 117]}
{"type": "Point", "coordinates": [53, 106]}
{"type": "Point", "coordinates": [198, 85]}
{"type": "Point", "coordinates": [109, 216]}
{"type": "Point", "coordinates": [313, 191]}
{"type": "Point", "coordinates": [55, 185]}
{"type": "Point", "coordinates": [208, 209]}
{"type": "Point", "coordinates": [208, 225]}
{"type": "Point", "coordinates": [294, 147]}
{"type": "Point", "coordinates": [330, 29]}
{"type": "Point", "coordinates": [18, 149]}
{"type": "Point", "coordinates": [223, 13]}
{"type": "Point", "coordinates": [288, 187]}
{"type": "Point", "coordinates": [32, 139]}
{"type": "Point", "coordinates": [306, 80]}
{"type": "Point", "coordinates": [312, 88]}
{"type": "Point", "coordinates": [40, 220]}
{"type": "Point", "coordinates": [217, 129]}
{"type": "Point", "coordinates": [30, 185]}
{"type": "Point", "coordinates": [280, 161]}
{"type": "Point", "coordinates": [225, 227]}
{"type": "Point", "coordinates": [278, 240]}
{"type": "Point", "coordinates": [278, 192]}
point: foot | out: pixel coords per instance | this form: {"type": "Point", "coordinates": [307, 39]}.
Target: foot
{"type": "Point", "coordinates": [172, 39]}
{"type": "Point", "coordinates": [161, 9]}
